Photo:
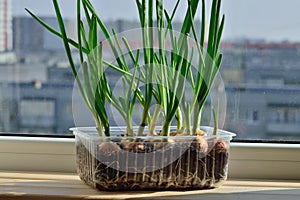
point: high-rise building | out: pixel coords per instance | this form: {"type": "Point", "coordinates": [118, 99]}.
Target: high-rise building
{"type": "Point", "coordinates": [27, 35]}
{"type": "Point", "coordinates": [5, 25]}
{"type": "Point", "coordinates": [30, 36]}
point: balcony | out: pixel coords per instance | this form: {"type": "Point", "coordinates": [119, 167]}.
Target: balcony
{"type": "Point", "coordinates": [283, 128]}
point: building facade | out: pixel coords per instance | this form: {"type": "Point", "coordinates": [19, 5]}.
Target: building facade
{"type": "Point", "coordinates": [5, 25]}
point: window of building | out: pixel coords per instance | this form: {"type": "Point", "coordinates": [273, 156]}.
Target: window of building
{"type": "Point", "coordinates": [261, 66]}
{"type": "Point", "coordinates": [255, 115]}
{"type": "Point", "coordinates": [286, 115]}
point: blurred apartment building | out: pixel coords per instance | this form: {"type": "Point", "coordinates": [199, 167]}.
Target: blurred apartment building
{"type": "Point", "coordinates": [32, 98]}
{"type": "Point", "coordinates": [30, 37]}
{"type": "Point", "coordinates": [263, 89]}
{"type": "Point", "coordinates": [5, 26]}
{"type": "Point", "coordinates": [6, 43]}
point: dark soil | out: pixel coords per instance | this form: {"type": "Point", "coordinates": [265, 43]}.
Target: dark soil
{"type": "Point", "coordinates": [202, 164]}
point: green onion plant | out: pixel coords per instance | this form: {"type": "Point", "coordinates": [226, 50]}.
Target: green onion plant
{"type": "Point", "coordinates": [164, 72]}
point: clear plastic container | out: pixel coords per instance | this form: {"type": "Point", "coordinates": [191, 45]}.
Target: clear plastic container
{"type": "Point", "coordinates": [156, 163]}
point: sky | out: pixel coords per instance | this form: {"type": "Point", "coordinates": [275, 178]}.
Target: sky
{"type": "Point", "coordinates": [272, 20]}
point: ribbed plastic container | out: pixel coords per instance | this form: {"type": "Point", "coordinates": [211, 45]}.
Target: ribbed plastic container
{"type": "Point", "coordinates": [156, 163]}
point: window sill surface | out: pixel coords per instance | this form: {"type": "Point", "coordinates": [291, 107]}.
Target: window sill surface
{"type": "Point", "coordinates": [30, 185]}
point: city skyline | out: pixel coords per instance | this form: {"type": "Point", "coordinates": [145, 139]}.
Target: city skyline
{"type": "Point", "coordinates": [254, 19]}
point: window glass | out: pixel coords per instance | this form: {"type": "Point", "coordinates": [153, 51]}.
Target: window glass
{"type": "Point", "coordinates": [260, 67]}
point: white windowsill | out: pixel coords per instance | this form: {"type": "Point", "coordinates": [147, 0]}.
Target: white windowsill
{"type": "Point", "coordinates": [247, 160]}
